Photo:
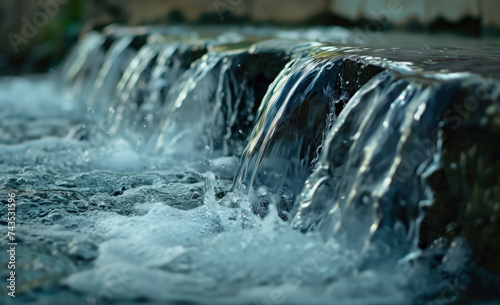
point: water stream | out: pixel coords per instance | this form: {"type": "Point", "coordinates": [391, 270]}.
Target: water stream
{"type": "Point", "coordinates": [255, 167]}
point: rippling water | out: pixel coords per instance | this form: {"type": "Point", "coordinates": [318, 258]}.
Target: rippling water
{"type": "Point", "coordinates": [100, 218]}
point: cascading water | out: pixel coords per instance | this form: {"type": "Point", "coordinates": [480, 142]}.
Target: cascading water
{"type": "Point", "coordinates": [249, 170]}
{"type": "Point", "coordinates": [132, 87]}
{"type": "Point", "coordinates": [82, 66]}
{"type": "Point", "coordinates": [295, 116]}
{"type": "Point", "coordinates": [115, 63]}
{"type": "Point", "coordinates": [222, 90]}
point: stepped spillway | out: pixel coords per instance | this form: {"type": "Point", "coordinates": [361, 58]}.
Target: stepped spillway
{"type": "Point", "coordinates": [255, 166]}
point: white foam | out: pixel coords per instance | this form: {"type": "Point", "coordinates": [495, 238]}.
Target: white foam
{"type": "Point", "coordinates": [210, 254]}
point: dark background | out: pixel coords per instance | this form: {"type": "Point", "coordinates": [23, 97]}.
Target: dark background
{"type": "Point", "coordinates": [36, 34]}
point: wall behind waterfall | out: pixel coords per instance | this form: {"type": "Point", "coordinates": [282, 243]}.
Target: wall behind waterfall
{"type": "Point", "coordinates": [473, 17]}
{"type": "Point", "coordinates": [35, 34]}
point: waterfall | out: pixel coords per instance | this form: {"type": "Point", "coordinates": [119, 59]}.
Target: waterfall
{"type": "Point", "coordinates": [116, 61]}
{"type": "Point", "coordinates": [332, 135]}
{"type": "Point", "coordinates": [82, 66]}
{"type": "Point", "coordinates": [298, 110]}
{"type": "Point", "coordinates": [213, 104]}
{"type": "Point", "coordinates": [132, 87]}
{"type": "Point", "coordinates": [374, 180]}
{"type": "Point", "coordinates": [215, 166]}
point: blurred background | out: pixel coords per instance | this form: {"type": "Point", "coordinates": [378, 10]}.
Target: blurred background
{"type": "Point", "coordinates": [36, 34]}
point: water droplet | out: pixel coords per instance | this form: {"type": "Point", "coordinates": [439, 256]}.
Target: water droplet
{"type": "Point", "coordinates": [262, 191]}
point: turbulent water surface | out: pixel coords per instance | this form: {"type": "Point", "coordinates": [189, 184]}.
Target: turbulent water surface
{"type": "Point", "coordinates": [130, 188]}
